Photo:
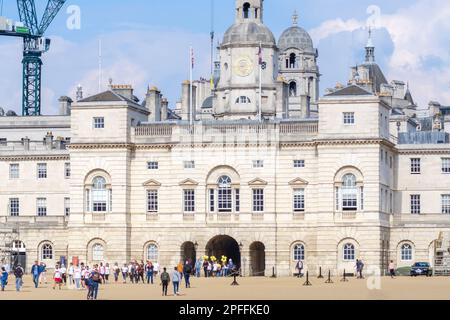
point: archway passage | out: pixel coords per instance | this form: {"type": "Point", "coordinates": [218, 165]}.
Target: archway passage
{"type": "Point", "coordinates": [18, 254]}
{"type": "Point", "coordinates": [257, 259]}
{"type": "Point", "coordinates": [188, 253]}
{"type": "Point", "coordinates": [224, 246]}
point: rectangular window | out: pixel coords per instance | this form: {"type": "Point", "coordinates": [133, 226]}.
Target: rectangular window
{"type": "Point", "coordinates": [14, 171]}
{"type": "Point", "coordinates": [445, 165]}
{"type": "Point", "coordinates": [41, 207]}
{"type": "Point", "coordinates": [14, 207]}
{"type": "Point", "coordinates": [189, 164]}
{"type": "Point", "coordinates": [212, 202]}
{"type": "Point", "coordinates": [67, 206]}
{"type": "Point", "coordinates": [415, 166]}
{"type": "Point", "coordinates": [349, 198]}
{"type": "Point", "coordinates": [391, 203]}
{"type": "Point", "coordinates": [361, 193]}
{"type": "Point", "coordinates": [67, 170]}
{"type": "Point", "coordinates": [299, 200]}
{"type": "Point", "coordinates": [189, 200]}
{"type": "Point", "coordinates": [415, 204]}
{"type": "Point", "coordinates": [3, 141]}
{"type": "Point", "coordinates": [99, 123]}
{"type": "Point", "coordinates": [258, 200]}
{"type": "Point", "coordinates": [152, 165]}
{"type": "Point", "coordinates": [42, 171]}
{"type": "Point", "coordinates": [237, 194]}
{"type": "Point", "coordinates": [349, 118]}
{"type": "Point", "coordinates": [258, 163]}
{"type": "Point", "coordinates": [390, 162]}
{"type": "Point", "coordinates": [446, 203]}
{"type": "Point", "coordinates": [152, 201]}
{"type": "Point", "coordinates": [337, 198]}
{"type": "Point", "coordinates": [299, 163]}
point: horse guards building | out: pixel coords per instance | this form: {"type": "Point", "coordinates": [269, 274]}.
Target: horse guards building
{"type": "Point", "coordinates": [265, 178]}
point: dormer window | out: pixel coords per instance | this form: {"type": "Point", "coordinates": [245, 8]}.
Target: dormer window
{"type": "Point", "coordinates": [243, 100]}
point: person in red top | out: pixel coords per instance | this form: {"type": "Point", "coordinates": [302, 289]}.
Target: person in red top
{"type": "Point", "coordinates": [57, 277]}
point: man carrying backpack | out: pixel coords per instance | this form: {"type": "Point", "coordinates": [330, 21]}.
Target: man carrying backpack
{"type": "Point", "coordinates": [18, 273]}
{"type": "Point", "coordinates": [187, 274]}
{"type": "Point", "coordinates": [94, 281]}
{"type": "Point", "coordinates": [165, 279]}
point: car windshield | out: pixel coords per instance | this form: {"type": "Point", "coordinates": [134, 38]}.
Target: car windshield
{"type": "Point", "coordinates": [422, 265]}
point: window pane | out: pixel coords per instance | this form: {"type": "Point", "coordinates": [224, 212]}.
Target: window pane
{"type": "Point", "coordinates": [349, 252]}
{"type": "Point", "coordinates": [445, 203]}
{"type": "Point", "coordinates": [446, 165]}
{"type": "Point", "coordinates": [97, 252]}
{"type": "Point", "coordinates": [152, 201]}
{"type": "Point", "coordinates": [415, 166]}
{"type": "Point", "coordinates": [152, 253]}
{"type": "Point", "coordinates": [47, 252]}
{"type": "Point", "coordinates": [225, 195]}
{"type": "Point", "coordinates": [406, 252]}
{"type": "Point", "coordinates": [415, 204]}
{"type": "Point", "coordinates": [299, 252]}
{"type": "Point", "coordinates": [14, 171]}
{"type": "Point", "coordinates": [41, 204]}
{"type": "Point", "coordinates": [14, 207]}
{"type": "Point", "coordinates": [299, 200]}
{"type": "Point", "coordinates": [258, 200]}
{"type": "Point", "coordinates": [189, 201]}
{"type": "Point", "coordinates": [42, 170]}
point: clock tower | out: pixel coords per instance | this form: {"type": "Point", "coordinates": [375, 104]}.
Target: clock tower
{"type": "Point", "coordinates": [248, 56]}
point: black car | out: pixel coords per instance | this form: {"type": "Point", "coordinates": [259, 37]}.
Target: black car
{"type": "Point", "coordinates": [421, 269]}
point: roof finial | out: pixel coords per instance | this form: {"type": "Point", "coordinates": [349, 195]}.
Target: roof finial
{"type": "Point", "coordinates": [295, 18]}
{"type": "Point", "coordinates": [370, 49]}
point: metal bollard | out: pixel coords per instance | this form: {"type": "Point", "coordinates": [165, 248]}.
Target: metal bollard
{"type": "Point", "coordinates": [307, 283]}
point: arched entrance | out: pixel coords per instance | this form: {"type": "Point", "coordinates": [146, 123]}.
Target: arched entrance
{"type": "Point", "coordinates": [257, 259]}
{"type": "Point", "coordinates": [224, 246]}
{"type": "Point", "coordinates": [18, 254]}
{"type": "Point", "coordinates": [188, 253]}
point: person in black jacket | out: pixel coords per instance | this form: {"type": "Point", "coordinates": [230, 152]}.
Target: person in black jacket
{"type": "Point", "coordinates": [18, 273]}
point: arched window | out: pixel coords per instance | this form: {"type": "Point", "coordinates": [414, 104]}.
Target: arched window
{"type": "Point", "coordinates": [47, 252]}
{"type": "Point", "coordinates": [292, 61]}
{"type": "Point", "coordinates": [299, 252]}
{"type": "Point", "coordinates": [243, 100]}
{"type": "Point", "coordinates": [97, 252]}
{"type": "Point", "coordinates": [18, 246]}
{"type": "Point", "coordinates": [349, 193]}
{"type": "Point", "coordinates": [406, 252]}
{"type": "Point", "coordinates": [225, 194]}
{"type": "Point", "coordinates": [349, 252]}
{"type": "Point", "coordinates": [246, 10]}
{"type": "Point", "coordinates": [98, 196]}
{"type": "Point", "coordinates": [152, 252]}
{"type": "Point", "coordinates": [293, 89]}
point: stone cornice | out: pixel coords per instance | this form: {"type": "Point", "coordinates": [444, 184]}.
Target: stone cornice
{"type": "Point", "coordinates": [424, 151]}
{"type": "Point", "coordinates": [35, 157]}
{"type": "Point", "coordinates": [88, 146]}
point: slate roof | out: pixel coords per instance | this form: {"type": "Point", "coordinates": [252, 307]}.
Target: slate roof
{"type": "Point", "coordinates": [351, 90]}
{"type": "Point", "coordinates": [376, 75]}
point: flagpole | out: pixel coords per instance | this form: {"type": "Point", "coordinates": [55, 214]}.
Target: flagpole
{"type": "Point", "coordinates": [191, 111]}
{"type": "Point", "coordinates": [260, 84]}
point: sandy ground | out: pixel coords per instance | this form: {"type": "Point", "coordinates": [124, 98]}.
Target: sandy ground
{"type": "Point", "coordinates": [402, 288]}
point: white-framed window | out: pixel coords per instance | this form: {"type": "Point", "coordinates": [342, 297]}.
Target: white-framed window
{"type": "Point", "coordinates": [258, 200]}
{"type": "Point", "coordinates": [14, 207]}
{"type": "Point", "coordinates": [415, 204]}
{"type": "Point", "coordinates": [152, 201]}
{"type": "Point", "coordinates": [67, 207]}
{"type": "Point", "coordinates": [152, 253]}
{"type": "Point", "coordinates": [299, 200]}
{"type": "Point", "coordinates": [299, 252]}
{"type": "Point", "coordinates": [224, 194]}
{"type": "Point", "coordinates": [212, 200]}
{"type": "Point", "coordinates": [98, 252]}
{"type": "Point", "coordinates": [47, 252]}
{"type": "Point", "coordinates": [99, 195]}
{"type": "Point", "coordinates": [258, 163]}
{"type": "Point", "coordinates": [189, 164]}
{"type": "Point", "coordinates": [99, 123]}
{"type": "Point", "coordinates": [41, 207]}
{"type": "Point", "coordinates": [299, 163]}
{"type": "Point", "coordinates": [406, 252]}
{"type": "Point", "coordinates": [445, 199]}
{"type": "Point", "coordinates": [415, 166]}
{"type": "Point", "coordinates": [349, 193]}
{"type": "Point", "coordinates": [361, 198]}
{"type": "Point", "coordinates": [42, 171]}
{"type": "Point", "coordinates": [237, 194]}
{"type": "Point", "coordinates": [67, 171]}
{"type": "Point", "coordinates": [14, 171]}
{"type": "Point", "coordinates": [243, 100]}
{"type": "Point", "coordinates": [152, 165]}
{"type": "Point", "coordinates": [189, 200]}
{"type": "Point", "coordinates": [349, 252]}
{"type": "Point", "coordinates": [349, 118]}
{"type": "Point", "coordinates": [445, 165]}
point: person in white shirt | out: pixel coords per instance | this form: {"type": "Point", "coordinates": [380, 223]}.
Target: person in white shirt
{"type": "Point", "coordinates": [57, 277]}
{"type": "Point", "coordinates": [107, 272]}
{"type": "Point", "coordinates": [70, 273]}
{"type": "Point", "coordinates": [63, 273]}
{"type": "Point", "coordinates": [77, 276]}
{"type": "Point", "coordinates": [156, 268]}
{"type": "Point", "coordinates": [124, 273]}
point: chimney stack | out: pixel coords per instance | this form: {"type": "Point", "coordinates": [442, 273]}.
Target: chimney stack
{"type": "Point", "coordinates": [48, 140]}
{"type": "Point", "coordinates": [164, 109]}
{"type": "Point", "coordinates": [65, 105]}
{"type": "Point", "coordinates": [185, 99]}
{"type": "Point", "coordinates": [26, 143]}
{"type": "Point", "coordinates": [124, 90]}
{"type": "Point", "coordinates": [153, 104]}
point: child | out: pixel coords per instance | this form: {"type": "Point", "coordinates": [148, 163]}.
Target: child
{"type": "Point", "coordinates": [4, 278]}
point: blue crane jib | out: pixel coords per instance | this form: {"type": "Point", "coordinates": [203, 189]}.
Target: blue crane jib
{"type": "Point", "coordinates": [34, 46]}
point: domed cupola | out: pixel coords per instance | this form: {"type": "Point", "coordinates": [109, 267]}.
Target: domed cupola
{"type": "Point", "coordinates": [297, 38]}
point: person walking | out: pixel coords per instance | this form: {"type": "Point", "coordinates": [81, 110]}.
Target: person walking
{"type": "Point", "coordinates": [95, 281]}
{"type": "Point", "coordinates": [141, 273]}
{"type": "Point", "coordinates": [70, 273]}
{"type": "Point", "coordinates": [392, 269]}
{"type": "Point", "coordinates": [180, 269]}
{"type": "Point", "coordinates": [359, 269]}
{"type": "Point", "coordinates": [3, 278]}
{"type": "Point", "coordinates": [165, 279]}
{"type": "Point", "coordinates": [63, 274]}
{"type": "Point", "coordinates": [116, 271]}
{"type": "Point", "coordinates": [57, 277]}
{"type": "Point", "coordinates": [107, 272]}
{"type": "Point", "coordinates": [187, 274]}
{"type": "Point", "coordinates": [205, 268]}
{"type": "Point", "coordinates": [124, 273]}
{"type": "Point", "coordinates": [43, 273]}
{"type": "Point", "coordinates": [155, 268]}
{"type": "Point", "coordinates": [77, 277]}
{"type": "Point", "coordinates": [198, 267]}
{"type": "Point", "coordinates": [176, 279]}
{"type": "Point", "coordinates": [299, 268]}
{"type": "Point", "coordinates": [149, 270]}
{"type": "Point", "coordinates": [36, 272]}
{"type": "Point", "coordinates": [18, 273]}
{"type": "Point", "coordinates": [102, 272]}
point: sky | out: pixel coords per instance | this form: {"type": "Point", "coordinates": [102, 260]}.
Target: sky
{"type": "Point", "coordinates": [146, 43]}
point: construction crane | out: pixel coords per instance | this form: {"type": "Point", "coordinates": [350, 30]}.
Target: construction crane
{"type": "Point", "coordinates": [34, 45]}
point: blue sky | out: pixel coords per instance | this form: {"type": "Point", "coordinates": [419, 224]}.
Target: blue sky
{"type": "Point", "coordinates": [146, 43]}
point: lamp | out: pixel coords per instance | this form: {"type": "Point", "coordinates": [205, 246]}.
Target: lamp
{"type": "Point", "coordinates": [196, 245]}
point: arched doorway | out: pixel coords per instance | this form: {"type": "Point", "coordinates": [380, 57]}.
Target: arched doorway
{"type": "Point", "coordinates": [18, 254]}
{"type": "Point", "coordinates": [257, 259]}
{"type": "Point", "coordinates": [188, 253]}
{"type": "Point", "coordinates": [224, 246]}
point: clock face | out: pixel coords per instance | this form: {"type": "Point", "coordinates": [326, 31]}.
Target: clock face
{"type": "Point", "coordinates": [243, 66]}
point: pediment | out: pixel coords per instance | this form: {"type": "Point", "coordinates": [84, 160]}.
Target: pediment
{"type": "Point", "coordinates": [188, 182]}
{"type": "Point", "coordinates": [257, 182]}
{"type": "Point", "coordinates": [151, 183]}
{"type": "Point", "coordinates": [298, 182]}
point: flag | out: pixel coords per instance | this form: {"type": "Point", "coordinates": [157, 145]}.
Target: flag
{"type": "Point", "coordinates": [260, 55]}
